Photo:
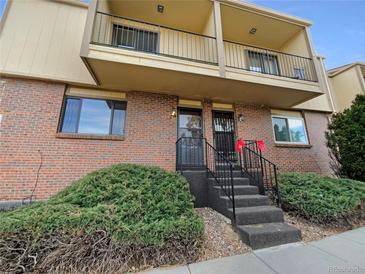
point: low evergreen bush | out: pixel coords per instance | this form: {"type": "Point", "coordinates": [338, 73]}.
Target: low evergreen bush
{"type": "Point", "coordinates": [143, 210]}
{"type": "Point", "coordinates": [319, 198]}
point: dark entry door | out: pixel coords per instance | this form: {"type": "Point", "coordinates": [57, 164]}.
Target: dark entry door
{"type": "Point", "coordinates": [224, 134]}
{"type": "Point", "coordinates": [190, 145]}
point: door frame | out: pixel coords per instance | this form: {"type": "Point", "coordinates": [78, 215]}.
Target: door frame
{"type": "Point", "coordinates": [200, 111]}
{"type": "Point", "coordinates": [234, 126]}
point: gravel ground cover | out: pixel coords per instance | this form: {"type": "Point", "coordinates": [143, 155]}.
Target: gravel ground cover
{"type": "Point", "coordinates": [220, 240]}
{"type": "Point", "coordinates": [313, 231]}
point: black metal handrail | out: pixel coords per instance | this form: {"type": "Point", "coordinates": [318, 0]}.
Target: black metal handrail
{"type": "Point", "coordinates": [267, 61]}
{"type": "Point", "coordinates": [221, 169]}
{"type": "Point", "coordinates": [260, 170]}
{"type": "Point", "coordinates": [131, 34]}
{"type": "Point", "coordinates": [194, 153]}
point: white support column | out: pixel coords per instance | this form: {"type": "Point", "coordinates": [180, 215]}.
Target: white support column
{"type": "Point", "coordinates": [313, 56]}
{"type": "Point", "coordinates": [219, 38]}
{"type": "Point", "coordinates": [326, 81]}
{"type": "Point", "coordinates": [88, 30]}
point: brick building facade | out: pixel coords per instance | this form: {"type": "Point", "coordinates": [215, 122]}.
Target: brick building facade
{"type": "Point", "coordinates": [29, 138]}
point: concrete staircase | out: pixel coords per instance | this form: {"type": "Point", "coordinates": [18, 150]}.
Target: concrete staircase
{"type": "Point", "coordinates": [259, 223]}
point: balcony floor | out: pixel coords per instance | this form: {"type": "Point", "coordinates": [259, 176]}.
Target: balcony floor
{"type": "Point", "coordinates": [118, 69]}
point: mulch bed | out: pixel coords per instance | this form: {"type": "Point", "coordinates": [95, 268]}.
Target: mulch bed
{"type": "Point", "coordinates": [220, 239]}
{"type": "Point", "coordinates": [313, 231]}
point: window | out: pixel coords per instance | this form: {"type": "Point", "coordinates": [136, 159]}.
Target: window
{"type": "Point", "coordinates": [289, 130]}
{"type": "Point", "coordinates": [262, 62]}
{"type": "Point", "coordinates": [93, 116]}
{"type": "Point", "coordinates": [299, 73]}
{"type": "Point", "coordinates": [190, 123]}
{"type": "Point", "coordinates": [128, 37]}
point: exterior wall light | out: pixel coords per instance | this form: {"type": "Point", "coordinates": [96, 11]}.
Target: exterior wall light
{"type": "Point", "coordinates": [173, 113]}
{"type": "Point", "coordinates": [241, 118]}
{"type": "Point", "coordinates": [160, 8]}
{"type": "Point", "coordinates": [253, 31]}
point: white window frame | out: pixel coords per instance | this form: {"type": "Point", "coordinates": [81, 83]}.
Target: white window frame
{"type": "Point", "coordinates": [293, 118]}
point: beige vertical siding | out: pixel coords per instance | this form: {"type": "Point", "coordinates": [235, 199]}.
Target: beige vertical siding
{"type": "Point", "coordinates": [42, 39]}
{"type": "Point", "coordinates": [346, 85]}
{"type": "Point", "coordinates": [235, 55]}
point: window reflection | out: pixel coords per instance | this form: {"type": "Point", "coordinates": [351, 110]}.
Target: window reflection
{"type": "Point", "coordinates": [281, 130]}
{"type": "Point", "coordinates": [71, 113]}
{"type": "Point", "coordinates": [93, 116]}
{"type": "Point", "coordinates": [190, 124]}
{"type": "Point", "coordinates": [289, 130]}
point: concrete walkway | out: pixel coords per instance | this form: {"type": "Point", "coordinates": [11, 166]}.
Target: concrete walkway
{"type": "Point", "coordinates": [342, 253]}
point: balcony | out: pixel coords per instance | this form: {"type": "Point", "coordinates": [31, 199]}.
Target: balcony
{"type": "Point", "coordinates": [142, 54]}
{"type": "Point", "coordinates": [128, 34]}
{"type": "Point", "coordinates": [140, 36]}
{"type": "Point", "coordinates": [265, 61]}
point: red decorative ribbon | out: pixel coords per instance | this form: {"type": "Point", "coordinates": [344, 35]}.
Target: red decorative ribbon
{"type": "Point", "coordinates": [261, 145]}
{"type": "Point", "coordinates": [239, 145]}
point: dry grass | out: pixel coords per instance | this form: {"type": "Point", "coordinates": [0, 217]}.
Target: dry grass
{"type": "Point", "coordinates": [85, 253]}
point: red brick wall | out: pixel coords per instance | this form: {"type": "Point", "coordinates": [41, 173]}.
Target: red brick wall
{"type": "Point", "coordinates": [257, 125]}
{"type": "Point", "coordinates": [31, 111]}
{"type": "Point", "coordinates": [208, 122]}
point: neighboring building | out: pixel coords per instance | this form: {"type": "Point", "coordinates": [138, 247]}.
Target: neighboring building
{"type": "Point", "coordinates": [346, 82]}
{"type": "Point", "coordinates": [84, 87]}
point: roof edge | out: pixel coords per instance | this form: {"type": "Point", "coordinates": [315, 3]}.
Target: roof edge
{"type": "Point", "coordinates": [74, 3]}
{"type": "Point", "coordinates": [268, 12]}
{"type": "Point", "coordinates": [333, 72]}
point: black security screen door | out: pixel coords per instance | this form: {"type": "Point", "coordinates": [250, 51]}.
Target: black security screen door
{"type": "Point", "coordinates": [190, 147]}
{"type": "Point", "coordinates": [224, 135]}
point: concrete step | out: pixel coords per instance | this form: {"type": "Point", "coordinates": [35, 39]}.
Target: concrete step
{"type": "Point", "coordinates": [257, 215]}
{"type": "Point", "coordinates": [268, 234]}
{"type": "Point", "coordinates": [240, 190]}
{"type": "Point", "coordinates": [249, 200]}
{"type": "Point", "coordinates": [235, 173]}
{"type": "Point", "coordinates": [225, 166]}
{"type": "Point", "coordinates": [236, 181]}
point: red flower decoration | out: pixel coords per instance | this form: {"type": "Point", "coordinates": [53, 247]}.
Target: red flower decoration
{"type": "Point", "coordinates": [239, 145]}
{"type": "Point", "coordinates": [261, 145]}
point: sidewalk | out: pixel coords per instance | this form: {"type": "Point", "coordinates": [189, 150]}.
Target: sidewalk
{"type": "Point", "coordinates": [342, 253]}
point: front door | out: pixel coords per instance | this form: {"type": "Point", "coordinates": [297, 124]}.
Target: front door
{"type": "Point", "coordinates": [190, 134]}
{"type": "Point", "coordinates": [224, 134]}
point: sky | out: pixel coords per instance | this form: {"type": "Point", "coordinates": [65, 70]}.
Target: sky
{"type": "Point", "coordinates": [338, 30]}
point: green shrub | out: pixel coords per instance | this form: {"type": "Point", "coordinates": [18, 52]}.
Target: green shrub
{"type": "Point", "coordinates": [319, 198]}
{"type": "Point", "coordinates": [346, 141]}
{"type": "Point", "coordinates": [136, 205]}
